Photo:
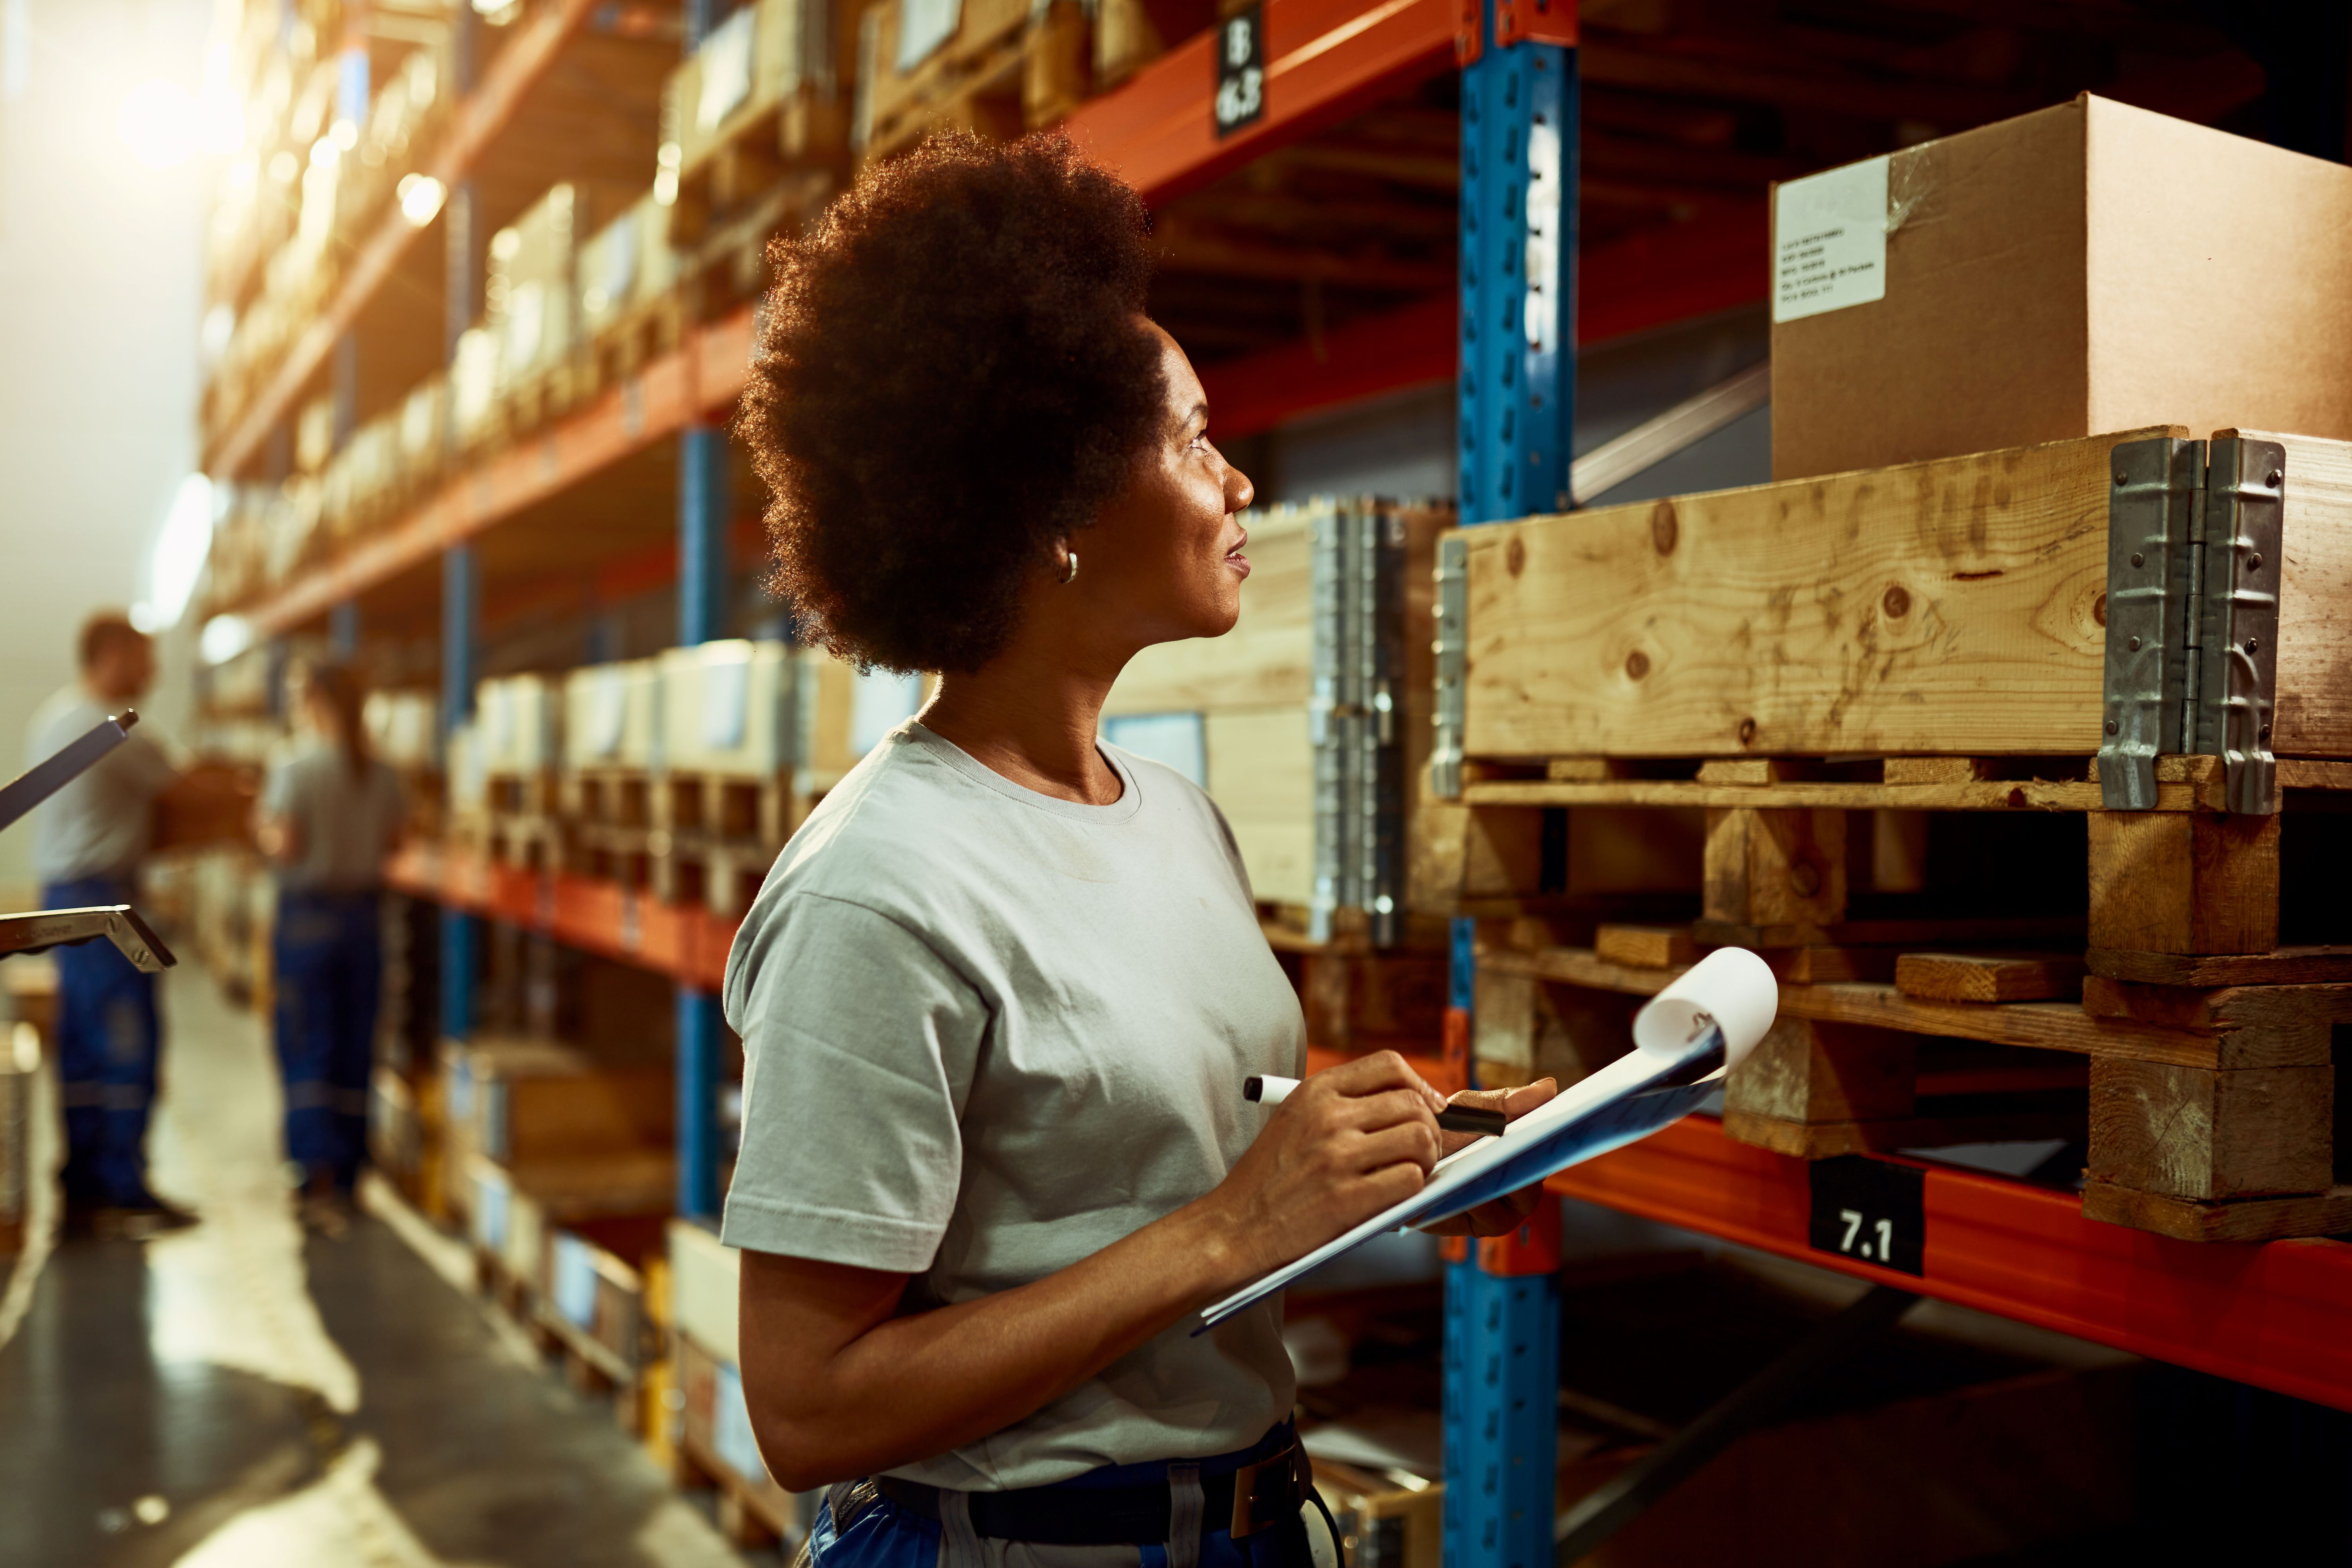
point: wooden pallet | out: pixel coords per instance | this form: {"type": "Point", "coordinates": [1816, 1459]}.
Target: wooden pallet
{"type": "Point", "coordinates": [806, 132]}
{"type": "Point", "coordinates": [967, 86]}
{"type": "Point", "coordinates": [640, 335]}
{"type": "Point", "coordinates": [703, 870]}
{"type": "Point", "coordinates": [2163, 1027]}
{"type": "Point", "coordinates": [529, 840]}
{"type": "Point", "coordinates": [607, 797]}
{"type": "Point", "coordinates": [761, 810]}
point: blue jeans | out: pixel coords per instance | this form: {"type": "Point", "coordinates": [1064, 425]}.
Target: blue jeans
{"type": "Point", "coordinates": [329, 962]}
{"type": "Point", "coordinates": [108, 1037]}
{"type": "Point", "coordinates": [884, 1535]}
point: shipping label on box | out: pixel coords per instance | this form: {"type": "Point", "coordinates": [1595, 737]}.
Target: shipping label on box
{"type": "Point", "coordinates": [1830, 241]}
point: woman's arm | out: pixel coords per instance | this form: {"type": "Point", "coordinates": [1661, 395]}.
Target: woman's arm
{"type": "Point", "coordinates": [838, 1385]}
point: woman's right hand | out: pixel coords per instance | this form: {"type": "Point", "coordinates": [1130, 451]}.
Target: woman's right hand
{"type": "Point", "coordinates": [1346, 1143]}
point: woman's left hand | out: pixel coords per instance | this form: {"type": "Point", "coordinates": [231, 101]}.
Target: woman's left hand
{"type": "Point", "coordinates": [1499, 1216]}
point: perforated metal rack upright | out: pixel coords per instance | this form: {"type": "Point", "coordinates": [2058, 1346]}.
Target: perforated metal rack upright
{"type": "Point", "coordinates": [1518, 411]}
{"type": "Point", "coordinates": [461, 576]}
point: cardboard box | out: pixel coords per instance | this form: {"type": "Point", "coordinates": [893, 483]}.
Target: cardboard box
{"type": "Point", "coordinates": [611, 715]}
{"type": "Point", "coordinates": [2085, 268]}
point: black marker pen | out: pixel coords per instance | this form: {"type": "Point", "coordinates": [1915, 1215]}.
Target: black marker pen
{"type": "Point", "coordinates": [1267, 1090]}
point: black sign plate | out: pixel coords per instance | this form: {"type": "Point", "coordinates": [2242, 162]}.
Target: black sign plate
{"type": "Point", "coordinates": [1240, 71]}
{"type": "Point", "coordinates": [1870, 1209]}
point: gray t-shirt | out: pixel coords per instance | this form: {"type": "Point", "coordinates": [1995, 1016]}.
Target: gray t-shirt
{"type": "Point", "coordinates": [101, 824]}
{"type": "Point", "coordinates": [343, 825]}
{"type": "Point", "coordinates": [987, 1033]}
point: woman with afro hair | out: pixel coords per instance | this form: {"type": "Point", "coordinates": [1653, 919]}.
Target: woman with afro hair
{"type": "Point", "coordinates": [998, 995]}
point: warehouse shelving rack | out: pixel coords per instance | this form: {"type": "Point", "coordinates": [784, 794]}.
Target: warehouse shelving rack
{"type": "Point", "coordinates": [2278, 1316]}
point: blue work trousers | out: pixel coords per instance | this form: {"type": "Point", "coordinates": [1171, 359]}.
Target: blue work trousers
{"type": "Point", "coordinates": [884, 1535]}
{"type": "Point", "coordinates": [108, 1038]}
{"type": "Point", "coordinates": [330, 956]}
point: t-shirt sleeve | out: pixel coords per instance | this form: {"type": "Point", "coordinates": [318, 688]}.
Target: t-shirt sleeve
{"type": "Point", "coordinates": [859, 1046]}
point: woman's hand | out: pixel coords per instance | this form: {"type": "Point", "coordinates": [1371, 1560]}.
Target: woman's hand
{"type": "Point", "coordinates": [1503, 1214]}
{"type": "Point", "coordinates": [1349, 1142]}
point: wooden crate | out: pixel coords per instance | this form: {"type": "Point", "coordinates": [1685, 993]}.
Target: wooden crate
{"type": "Point", "coordinates": [970, 80]}
{"type": "Point", "coordinates": [750, 106]}
{"type": "Point", "coordinates": [1841, 639]}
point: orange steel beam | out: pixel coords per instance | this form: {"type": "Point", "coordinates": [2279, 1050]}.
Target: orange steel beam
{"type": "Point", "coordinates": [2277, 1315]}
{"type": "Point", "coordinates": [484, 114]}
{"type": "Point", "coordinates": [1324, 59]}
{"type": "Point", "coordinates": [705, 374]}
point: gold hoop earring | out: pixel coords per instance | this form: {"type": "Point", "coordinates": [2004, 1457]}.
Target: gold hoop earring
{"type": "Point", "coordinates": [1070, 571]}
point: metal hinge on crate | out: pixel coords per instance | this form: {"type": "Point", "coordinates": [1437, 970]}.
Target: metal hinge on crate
{"type": "Point", "coordinates": [1452, 650]}
{"type": "Point", "coordinates": [2193, 572]}
{"type": "Point", "coordinates": [1357, 555]}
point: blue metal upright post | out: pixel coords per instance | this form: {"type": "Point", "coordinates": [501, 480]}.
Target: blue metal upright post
{"type": "Point", "coordinates": [702, 509]}
{"type": "Point", "coordinates": [461, 608]}
{"type": "Point", "coordinates": [702, 516]}
{"type": "Point", "coordinates": [1516, 415]}
{"type": "Point", "coordinates": [343, 631]}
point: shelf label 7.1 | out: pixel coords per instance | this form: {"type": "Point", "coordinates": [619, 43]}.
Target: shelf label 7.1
{"type": "Point", "coordinates": [1873, 1210]}
{"type": "Point", "coordinates": [1241, 70]}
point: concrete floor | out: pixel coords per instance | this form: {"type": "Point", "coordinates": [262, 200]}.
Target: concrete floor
{"type": "Point", "coordinates": [239, 1395]}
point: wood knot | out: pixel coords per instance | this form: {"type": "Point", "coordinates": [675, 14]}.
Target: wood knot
{"type": "Point", "coordinates": [1747, 731]}
{"type": "Point", "coordinates": [1897, 602]}
{"type": "Point", "coordinates": [1665, 529]}
{"type": "Point", "coordinates": [1514, 557]}
{"type": "Point", "coordinates": [1637, 664]}
{"type": "Point", "coordinates": [1805, 878]}
{"type": "Point", "coordinates": [2099, 609]}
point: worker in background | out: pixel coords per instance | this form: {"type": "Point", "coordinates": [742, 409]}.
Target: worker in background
{"type": "Point", "coordinates": [998, 995]}
{"type": "Point", "coordinates": [329, 816]}
{"type": "Point", "coordinates": [88, 839]}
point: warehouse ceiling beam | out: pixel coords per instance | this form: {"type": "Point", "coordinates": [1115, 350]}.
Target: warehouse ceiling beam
{"type": "Point", "coordinates": [485, 112]}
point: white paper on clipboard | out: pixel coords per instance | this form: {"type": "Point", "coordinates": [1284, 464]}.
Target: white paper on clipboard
{"type": "Point", "coordinates": [1689, 1035]}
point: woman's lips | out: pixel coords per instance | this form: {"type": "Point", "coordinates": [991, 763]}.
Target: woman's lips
{"type": "Point", "coordinates": [1235, 559]}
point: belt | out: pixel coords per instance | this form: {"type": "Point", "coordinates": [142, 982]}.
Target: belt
{"type": "Point", "coordinates": [1255, 1497]}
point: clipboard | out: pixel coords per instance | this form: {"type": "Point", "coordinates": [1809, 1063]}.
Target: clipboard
{"type": "Point", "coordinates": [1685, 1040]}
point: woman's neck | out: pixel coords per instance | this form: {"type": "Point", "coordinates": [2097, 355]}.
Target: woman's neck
{"type": "Point", "coordinates": [1030, 715]}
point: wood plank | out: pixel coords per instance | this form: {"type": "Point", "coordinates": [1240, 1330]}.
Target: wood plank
{"type": "Point", "coordinates": [1804, 1070]}
{"type": "Point", "coordinates": [2184, 883]}
{"type": "Point", "coordinates": [1935, 607]}
{"type": "Point", "coordinates": [2313, 715]}
{"type": "Point", "coordinates": [1644, 947]}
{"type": "Point", "coordinates": [1774, 867]}
{"type": "Point", "coordinates": [1988, 976]}
{"type": "Point", "coordinates": [1983, 794]}
{"type": "Point", "coordinates": [2038, 1026]}
{"type": "Point", "coordinates": [2049, 930]}
{"type": "Point", "coordinates": [2249, 1219]}
{"type": "Point", "coordinates": [2194, 1132]}
{"type": "Point", "coordinates": [1945, 606]}
{"type": "Point", "coordinates": [2282, 966]}
{"type": "Point", "coordinates": [1935, 770]}
{"type": "Point", "coordinates": [2232, 1008]}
